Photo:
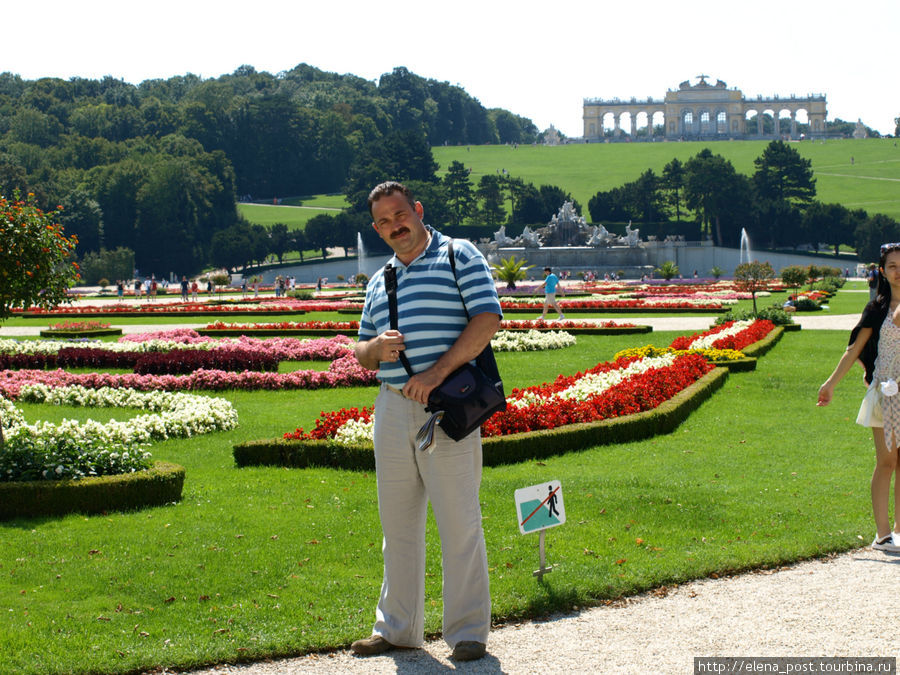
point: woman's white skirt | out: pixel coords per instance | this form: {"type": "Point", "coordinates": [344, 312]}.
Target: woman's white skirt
{"type": "Point", "coordinates": [870, 413]}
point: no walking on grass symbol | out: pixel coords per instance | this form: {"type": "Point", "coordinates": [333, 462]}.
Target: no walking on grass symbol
{"type": "Point", "coordinates": [539, 508]}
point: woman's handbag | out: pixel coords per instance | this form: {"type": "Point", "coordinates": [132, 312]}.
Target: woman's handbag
{"type": "Point", "coordinates": [468, 397]}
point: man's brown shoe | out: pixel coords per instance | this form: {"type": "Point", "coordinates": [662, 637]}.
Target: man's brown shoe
{"type": "Point", "coordinates": [468, 651]}
{"type": "Point", "coordinates": [374, 644]}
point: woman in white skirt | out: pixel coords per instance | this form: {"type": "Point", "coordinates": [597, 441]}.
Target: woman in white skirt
{"type": "Point", "coordinates": [875, 342]}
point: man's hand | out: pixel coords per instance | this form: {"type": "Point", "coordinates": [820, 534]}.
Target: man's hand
{"type": "Point", "coordinates": [420, 386]}
{"type": "Point", "coordinates": [384, 347]}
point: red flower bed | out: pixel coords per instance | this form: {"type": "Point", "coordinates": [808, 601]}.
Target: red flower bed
{"type": "Point", "coordinates": [328, 423]}
{"type": "Point", "coordinates": [753, 333]}
{"type": "Point", "coordinates": [637, 393]}
{"type": "Point", "coordinates": [287, 325]}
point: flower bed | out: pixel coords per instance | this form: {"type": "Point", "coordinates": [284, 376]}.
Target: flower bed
{"type": "Point", "coordinates": [73, 449]}
{"type": "Point", "coordinates": [264, 306]}
{"type": "Point", "coordinates": [330, 327]}
{"type": "Point", "coordinates": [608, 390]}
{"type": "Point", "coordinates": [344, 371]}
{"type": "Point", "coordinates": [530, 341]}
{"type": "Point", "coordinates": [76, 329]}
{"type": "Point", "coordinates": [283, 349]}
{"type": "Point", "coordinates": [729, 335]}
{"type": "Point", "coordinates": [617, 305]}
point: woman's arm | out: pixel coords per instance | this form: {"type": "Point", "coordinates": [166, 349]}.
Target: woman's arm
{"type": "Point", "coordinates": [851, 355]}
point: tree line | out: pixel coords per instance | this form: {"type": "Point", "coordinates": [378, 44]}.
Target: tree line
{"type": "Point", "coordinates": [156, 167]}
{"type": "Point", "coordinates": [776, 203]}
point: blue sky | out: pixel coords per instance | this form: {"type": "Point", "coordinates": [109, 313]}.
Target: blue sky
{"type": "Point", "coordinates": [539, 60]}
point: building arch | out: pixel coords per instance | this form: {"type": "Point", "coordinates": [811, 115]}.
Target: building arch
{"type": "Point", "coordinates": [697, 110]}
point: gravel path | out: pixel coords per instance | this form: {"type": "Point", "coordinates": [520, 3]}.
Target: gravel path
{"type": "Point", "coordinates": [837, 606]}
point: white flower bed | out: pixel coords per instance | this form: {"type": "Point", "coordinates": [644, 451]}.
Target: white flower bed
{"type": "Point", "coordinates": [530, 341]}
{"type": "Point", "coordinates": [706, 342]}
{"type": "Point", "coordinates": [596, 383]}
{"type": "Point", "coordinates": [72, 449]}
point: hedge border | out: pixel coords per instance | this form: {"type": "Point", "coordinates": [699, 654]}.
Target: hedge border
{"type": "Point", "coordinates": [760, 347]}
{"type": "Point", "coordinates": [160, 484]}
{"type": "Point", "coordinates": [80, 333]}
{"type": "Point", "coordinates": [512, 448]}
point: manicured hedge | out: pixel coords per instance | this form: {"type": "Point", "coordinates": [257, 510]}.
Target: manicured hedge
{"type": "Point", "coordinates": [760, 347]}
{"type": "Point", "coordinates": [158, 485]}
{"type": "Point", "coordinates": [175, 362]}
{"type": "Point", "coordinates": [99, 332]}
{"type": "Point", "coordinates": [499, 449]}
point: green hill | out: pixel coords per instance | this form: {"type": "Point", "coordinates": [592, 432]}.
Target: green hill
{"type": "Point", "coordinates": [856, 173]}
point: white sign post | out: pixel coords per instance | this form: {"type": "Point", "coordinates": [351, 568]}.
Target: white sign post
{"type": "Point", "coordinates": [539, 508]}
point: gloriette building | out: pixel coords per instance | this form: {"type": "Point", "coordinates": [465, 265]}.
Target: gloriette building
{"type": "Point", "coordinates": [703, 111]}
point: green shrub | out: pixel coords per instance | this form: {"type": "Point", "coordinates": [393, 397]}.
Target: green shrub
{"type": "Point", "coordinates": [794, 276]}
{"type": "Point", "coordinates": [774, 313]}
{"type": "Point", "coordinates": [160, 484]}
{"type": "Point", "coordinates": [300, 294]}
{"type": "Point", "coordinates": [807, 305]}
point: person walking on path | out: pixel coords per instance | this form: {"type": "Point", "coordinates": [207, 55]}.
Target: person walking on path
{"type": "Point", "coordinates": [875, 342]}
{"type": "Point", "coordinates": [551, 281]}
{"type": "Point", "coordinates": [436, 338]}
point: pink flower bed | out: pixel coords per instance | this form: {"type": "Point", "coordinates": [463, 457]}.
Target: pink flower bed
{"type": "Point", "coordinates": [343, 372]}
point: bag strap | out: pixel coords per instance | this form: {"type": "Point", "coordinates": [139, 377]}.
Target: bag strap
{"type": "Point", "coordinates": [390, 287]}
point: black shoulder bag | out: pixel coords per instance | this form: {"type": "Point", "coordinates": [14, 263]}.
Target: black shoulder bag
{"type": "Point", "coordinates": [469, 395]}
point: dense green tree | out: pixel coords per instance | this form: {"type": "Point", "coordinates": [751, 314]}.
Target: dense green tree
{"type": "Point", "coordinates": [872, 232]}
{"type": "Point", "coordinates": [460, 199]}
{"type": "Point", "coordinates": [709, 178]}
{"type": "Point", "coordinates": [673, 177]}
{"type": "Point", "coordinates": [81, 216]}
{"type": "Point", "coordinates": [782, 174]}
{"type": "Point", "coordinates": [404, 156]}
{"type": "Point", "coordinates": [233, 247]}
{"type": "Point", "coordinates": [298, 242]}
{"type": "Point", "coordinates": [490, 194]}
{"type": "Point", "coordinates": [104, 264]}
{"type": "Point", "coordinates": [279, 240]}
{"type": "Point", "coordinates": [608, 206]}
{"type": "Point", "coordinates": [828, 223]}
{"type": "Point", "coordinates": [319, 232]}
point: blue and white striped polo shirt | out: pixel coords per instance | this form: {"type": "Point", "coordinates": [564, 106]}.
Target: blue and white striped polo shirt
{"type": "Point", "coordinates": [430, 314]}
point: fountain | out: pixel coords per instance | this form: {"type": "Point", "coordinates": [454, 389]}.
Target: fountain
{"type": "Point", "coordinates": [360, 255]}
{"type": "Point", "coordinates": [745, 246]}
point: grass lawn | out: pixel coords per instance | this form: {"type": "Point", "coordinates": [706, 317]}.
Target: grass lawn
{"type": "Point", "coordinates": [869, 182]}
{"type": "Point", "coordinates": [295, 217]}
{"type": "Point", "coordinates": [265, 562]}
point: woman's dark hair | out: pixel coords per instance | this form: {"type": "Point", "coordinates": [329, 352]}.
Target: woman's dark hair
{"type": "Point", "coordinates": [883, 294]}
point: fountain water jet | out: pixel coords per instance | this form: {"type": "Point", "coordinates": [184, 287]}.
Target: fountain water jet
{"type": "Point", "coordinates": [745, 246]}
{"type": "Point", "coordinates": [360, 255]}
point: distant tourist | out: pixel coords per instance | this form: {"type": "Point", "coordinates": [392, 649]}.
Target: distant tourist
{"type": "Point", "coordinates": [551, 281]}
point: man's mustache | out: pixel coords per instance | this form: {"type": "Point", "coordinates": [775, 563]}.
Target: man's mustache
{"type": "Point", "coordinates": [400, 232]}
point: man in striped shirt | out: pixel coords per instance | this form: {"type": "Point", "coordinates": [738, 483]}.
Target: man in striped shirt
{"type": "Point", "coordinates": [436, 337]}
